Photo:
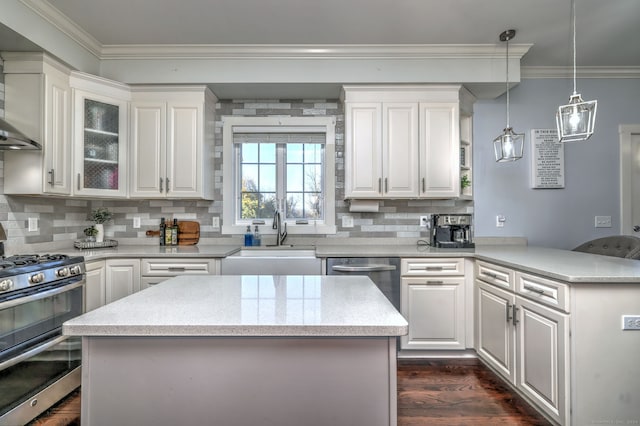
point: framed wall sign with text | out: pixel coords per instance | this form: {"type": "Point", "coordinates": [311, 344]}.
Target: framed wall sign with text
{"type": "Point", "coordinates": [547, 159]}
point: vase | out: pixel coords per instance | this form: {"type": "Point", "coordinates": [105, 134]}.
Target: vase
{"type": "Point", "coordinates": [100, 235]}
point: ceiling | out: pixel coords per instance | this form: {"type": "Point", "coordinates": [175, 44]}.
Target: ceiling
{"type": "Point", "coordinates": [607, 31]}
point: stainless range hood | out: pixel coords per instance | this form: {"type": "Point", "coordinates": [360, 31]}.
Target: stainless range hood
{"type": "Point", "coordinates": [12, 138]}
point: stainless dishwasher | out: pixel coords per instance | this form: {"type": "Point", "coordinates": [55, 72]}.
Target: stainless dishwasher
{"type": "Point", "coordinates": [383, 271]}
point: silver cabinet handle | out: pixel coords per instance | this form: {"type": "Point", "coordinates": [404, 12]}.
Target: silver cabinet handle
{"type": "Point", "coordinates": [435, 282]}
{"type": "Point", "coordinates": [177, 268]}
{"type": "Point", "coordinates": [386, 185]}
{"type": "Point", "coordinates": [363, 268]}
{"type": "Point", "coordinates": [433, 268]}
{"type": "Point", "coordinates": [490, 275]}
{"type": "Point", "coordinates": [161, 188]}
{"type": "Point", "coordinates": [78, 181]}
{"type": "Point", "coordinates": [52, 174]}
{"type": "Point", "coordinates": [508, 311]}
{"type": "Point", "coordinates": [534, 289]}
{"type": "Point", "coordinates": [166, 184]}
{"type": "Point", "coordinates": [424, 185]}
{"type": "Point", "coordinates": [380, 185]}
{"type": "Point", "coordinates": [515, 315]}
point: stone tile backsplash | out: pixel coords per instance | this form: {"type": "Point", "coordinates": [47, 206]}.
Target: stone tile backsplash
{"type": "Point", "coordinates": [63, 220]}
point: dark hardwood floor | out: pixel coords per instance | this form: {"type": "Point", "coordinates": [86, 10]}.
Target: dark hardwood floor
{"type": "Point", "coordinates": [430, 392]}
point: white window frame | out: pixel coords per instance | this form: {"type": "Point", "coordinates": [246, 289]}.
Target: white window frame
{"type": "Point", "coordinates": [326, 125]}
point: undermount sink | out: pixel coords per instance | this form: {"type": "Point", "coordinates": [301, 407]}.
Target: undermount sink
{"type": "Point", "coordinates": [272, 260]}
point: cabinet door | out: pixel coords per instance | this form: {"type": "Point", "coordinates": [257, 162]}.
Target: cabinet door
{"type": "Point", "coordinates": [94, 295]}
{"type": "Point", "coordinates": [122, 278]}
{"type": "Point", "coordinates": [363, 150]}
{"type": "Point", "coordinates": [542, 366]}
{"type": "Point", "coordinates": [101, 145]}
{"type": "Point", "coordinates": [434, 308]}
{"type": "Point", "coordinates": [148, 149]}
{"type": "Point", "coordinates": [400, 149]}
{"type": "Point", "coordinates": [495, 332]}
{"type": "Point", "coordinates": [439, 150]}
{"type": "Point", "coordinates": [57, 122]}
{"type": "Point", "coordinates": [184, 150]}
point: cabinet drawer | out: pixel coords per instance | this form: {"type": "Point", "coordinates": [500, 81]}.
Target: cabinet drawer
{"type": "Point", "coordinates": [543, 290]}
{"type": "Point", "coordinates": [432, 266]}
{"type": "Point", "coordinates": [494, 274]}
{"type": "Point", "coordinates": [173, 267]}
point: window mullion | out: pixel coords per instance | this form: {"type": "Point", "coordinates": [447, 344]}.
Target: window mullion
{"type": "Point", "coordinates": [281, 178]}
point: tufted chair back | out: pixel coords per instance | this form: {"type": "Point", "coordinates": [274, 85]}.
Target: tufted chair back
{"type": "Point", "coordinates": [625, 246]}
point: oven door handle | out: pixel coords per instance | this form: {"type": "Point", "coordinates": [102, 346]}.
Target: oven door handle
{"type": "Point", "coordinates": [31, 352]}
{"type": "Point", "coordinates": [41, 295]}
{"type": "Point", "coordinates": [363, 268]}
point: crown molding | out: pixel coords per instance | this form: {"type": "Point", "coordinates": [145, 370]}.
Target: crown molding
{"type": "Point", "coordinates": [64, 24]}
{"type": "Point", "coordinates": [581, 72]}
{"type": "Point", "coordinates": [310, 51]}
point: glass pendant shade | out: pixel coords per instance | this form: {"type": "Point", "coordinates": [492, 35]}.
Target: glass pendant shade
{"type": "Point", "coordinates": [509, 146]}
{"type": "Point", "coordinates": [576, 121]}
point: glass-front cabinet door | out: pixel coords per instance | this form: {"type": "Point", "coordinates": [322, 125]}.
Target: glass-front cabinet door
{"type": "Point", "coordinates": [100, 137]}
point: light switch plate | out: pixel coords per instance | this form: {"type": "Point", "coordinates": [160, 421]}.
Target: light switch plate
{"type": "Point", "coordinates": [347, 221]}
{"type": "Point", "coordinates": [136, 222]}
{"type": "Point", "coordinates": [215, 222]}
{"type": "Point", "coordinates": [33, 224]}
{"type": "Point", "coordinates": [631, 322]}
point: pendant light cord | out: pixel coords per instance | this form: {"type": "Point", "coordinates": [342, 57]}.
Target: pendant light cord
{"type": "Point", "coordinates": [573, 16]}
{"type": "Point", "coordinates": [507, 82]}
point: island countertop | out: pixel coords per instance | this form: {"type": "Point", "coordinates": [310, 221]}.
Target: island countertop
{"type": "Point", "coordinates": [249, 305]}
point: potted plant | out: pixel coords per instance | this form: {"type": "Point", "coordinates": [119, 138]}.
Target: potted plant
{"type": "Point", "coordinates": [91, 233]}
{"type": "Point", "coordinates": [465, 182]}
{"type": "Point", "coordinates": [100, 216]}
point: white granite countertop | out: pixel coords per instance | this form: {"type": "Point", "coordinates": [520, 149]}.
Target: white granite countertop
{"type": "Point", "coordinates": [123, 251]}
{"type": "Point", "coordinates": [247, 306]}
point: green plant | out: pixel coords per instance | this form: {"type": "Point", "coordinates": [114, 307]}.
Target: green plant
{"type": "Point", "coordinates": [100, 215]}
{"type": "Point", "coordinates": [465, 182]}
{"type": "Point", "coordinates": [90, 231]}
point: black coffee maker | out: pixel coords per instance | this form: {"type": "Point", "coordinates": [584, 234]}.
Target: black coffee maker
{"type": "Point", "coordinates": [451, 231]}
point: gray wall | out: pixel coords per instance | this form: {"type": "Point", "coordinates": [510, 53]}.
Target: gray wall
{"type": "Point", "coordinates": [560, 218]}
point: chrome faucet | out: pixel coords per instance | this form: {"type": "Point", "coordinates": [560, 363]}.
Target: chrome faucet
{"type": "Point", "coordinates": [277, 225]}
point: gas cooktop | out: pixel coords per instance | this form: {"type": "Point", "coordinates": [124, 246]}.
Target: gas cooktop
{"type": "Point", "coordinates": [28, 270]}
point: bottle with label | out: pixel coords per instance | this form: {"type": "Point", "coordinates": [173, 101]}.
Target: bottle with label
{"type": "Point", "coordinates": [174, 233]}
{"type": "Point", "coordinates": [257, 238]}
{"type": "Point", "coordinates": [167, 235]}
{"type": "Point", "coordinates": [163, 230]}
{"type": "Point", "coordinates": [248, 237]}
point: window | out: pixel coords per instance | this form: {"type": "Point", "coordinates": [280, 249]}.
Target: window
{"type": "Point", "coordinates": [279, 164]}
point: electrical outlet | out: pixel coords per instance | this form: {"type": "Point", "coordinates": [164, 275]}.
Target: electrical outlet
{"type": "Point", "coordinates": [603, 221]}
{"type": "Point", "coordinates": [136, 222]}
{"type": "Point", "coordinates": [424, 221]}
{"type": "Point", "coordinates": [347, 221]}
{"type": "Point", "coordinates": [33, 224]}
{"type": "Point", "coordinates": [215, 222]}
{"type": "Point", "coordinates": [500, 220]}
{"type": "Point", "coordinates": [631, 322]}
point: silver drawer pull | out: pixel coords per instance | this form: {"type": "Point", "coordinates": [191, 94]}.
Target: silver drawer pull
{"type": "Point", "coordinates": [490, 275]}
{"type": "Point", "coordinates": [177, 268]}
{"type": "Point", "coordinates": [435, 282]}
{"type": "Point", "coordinates": [433, 268]}
{"type": "Point", "coordinates": [534, 289]}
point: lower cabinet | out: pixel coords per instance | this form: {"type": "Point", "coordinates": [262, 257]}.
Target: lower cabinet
{"type": "Point", "coordinates": [525, 341]}
{"type": "Point", "coordinates": [432, 299]}
{"type": "Point", "coordinates": [94, 293]}
{"type": "Point", "coordinates": [122, 278]}
{"type": "Point", "coordinates": [154, 271]}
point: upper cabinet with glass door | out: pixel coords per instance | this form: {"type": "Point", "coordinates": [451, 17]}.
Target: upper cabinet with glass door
{"type": "Point", "coordinates": [100, 136]}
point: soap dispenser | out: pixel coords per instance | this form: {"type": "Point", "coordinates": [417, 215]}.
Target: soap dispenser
{"type": "Point", "coordinates": [248, 237]}
{"type": "Point", "coordinates": [257, 238]}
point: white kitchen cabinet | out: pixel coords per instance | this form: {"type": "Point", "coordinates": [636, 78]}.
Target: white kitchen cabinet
{"type": "Point", "coordinates": [38, 103]}
{"type": "Point", "coordinates": [523, 340]}
{"type": "Point", "coordinates": [432, 299]}
{"type": "Point", "coordinates": [95, 288]}
{"type": "Point", "coordinates": [100, 112]}
{"type": "Point", "coordinates": [172, 142]}
{"type": "Point", "coordinates": [154, 271]}
{"type": "Point", "coordinates": [122, 278]}
{"type": "Point", "coordinates": [404, 141]}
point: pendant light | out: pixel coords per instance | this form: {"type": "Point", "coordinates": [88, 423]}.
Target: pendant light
{"type": "Point", "coordinates": [509, 145]}
{"type": "Point", "coordinates": [576, 120]}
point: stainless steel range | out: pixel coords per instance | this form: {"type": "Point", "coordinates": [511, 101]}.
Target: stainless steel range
{"type": "Point", "coordinates": [38, 365]}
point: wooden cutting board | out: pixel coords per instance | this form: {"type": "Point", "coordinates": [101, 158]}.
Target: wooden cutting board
{"type": "Point", "coordinates": [188, 233]}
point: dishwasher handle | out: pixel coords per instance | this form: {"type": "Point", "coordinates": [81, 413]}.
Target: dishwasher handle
{"type": "Point", "coordinates": [363, 268]}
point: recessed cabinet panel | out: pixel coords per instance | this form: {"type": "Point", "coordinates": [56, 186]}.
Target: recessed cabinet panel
{"type": "Point", "coordinates": [186, 132]}
{"type": "Point", "coordinates": [147, 141]}
{"type": "Point", "coordinates": [57, 161]}
{"type": "Point", "coordinates": [439, 172]}
{"type": "Point", "coordinates": [400, 150]}
{"type": "Point", "coordinates": [363, 175]}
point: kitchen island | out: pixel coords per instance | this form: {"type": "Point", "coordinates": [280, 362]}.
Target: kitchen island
{"type": "Point", "coordinates": [241, 350]}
